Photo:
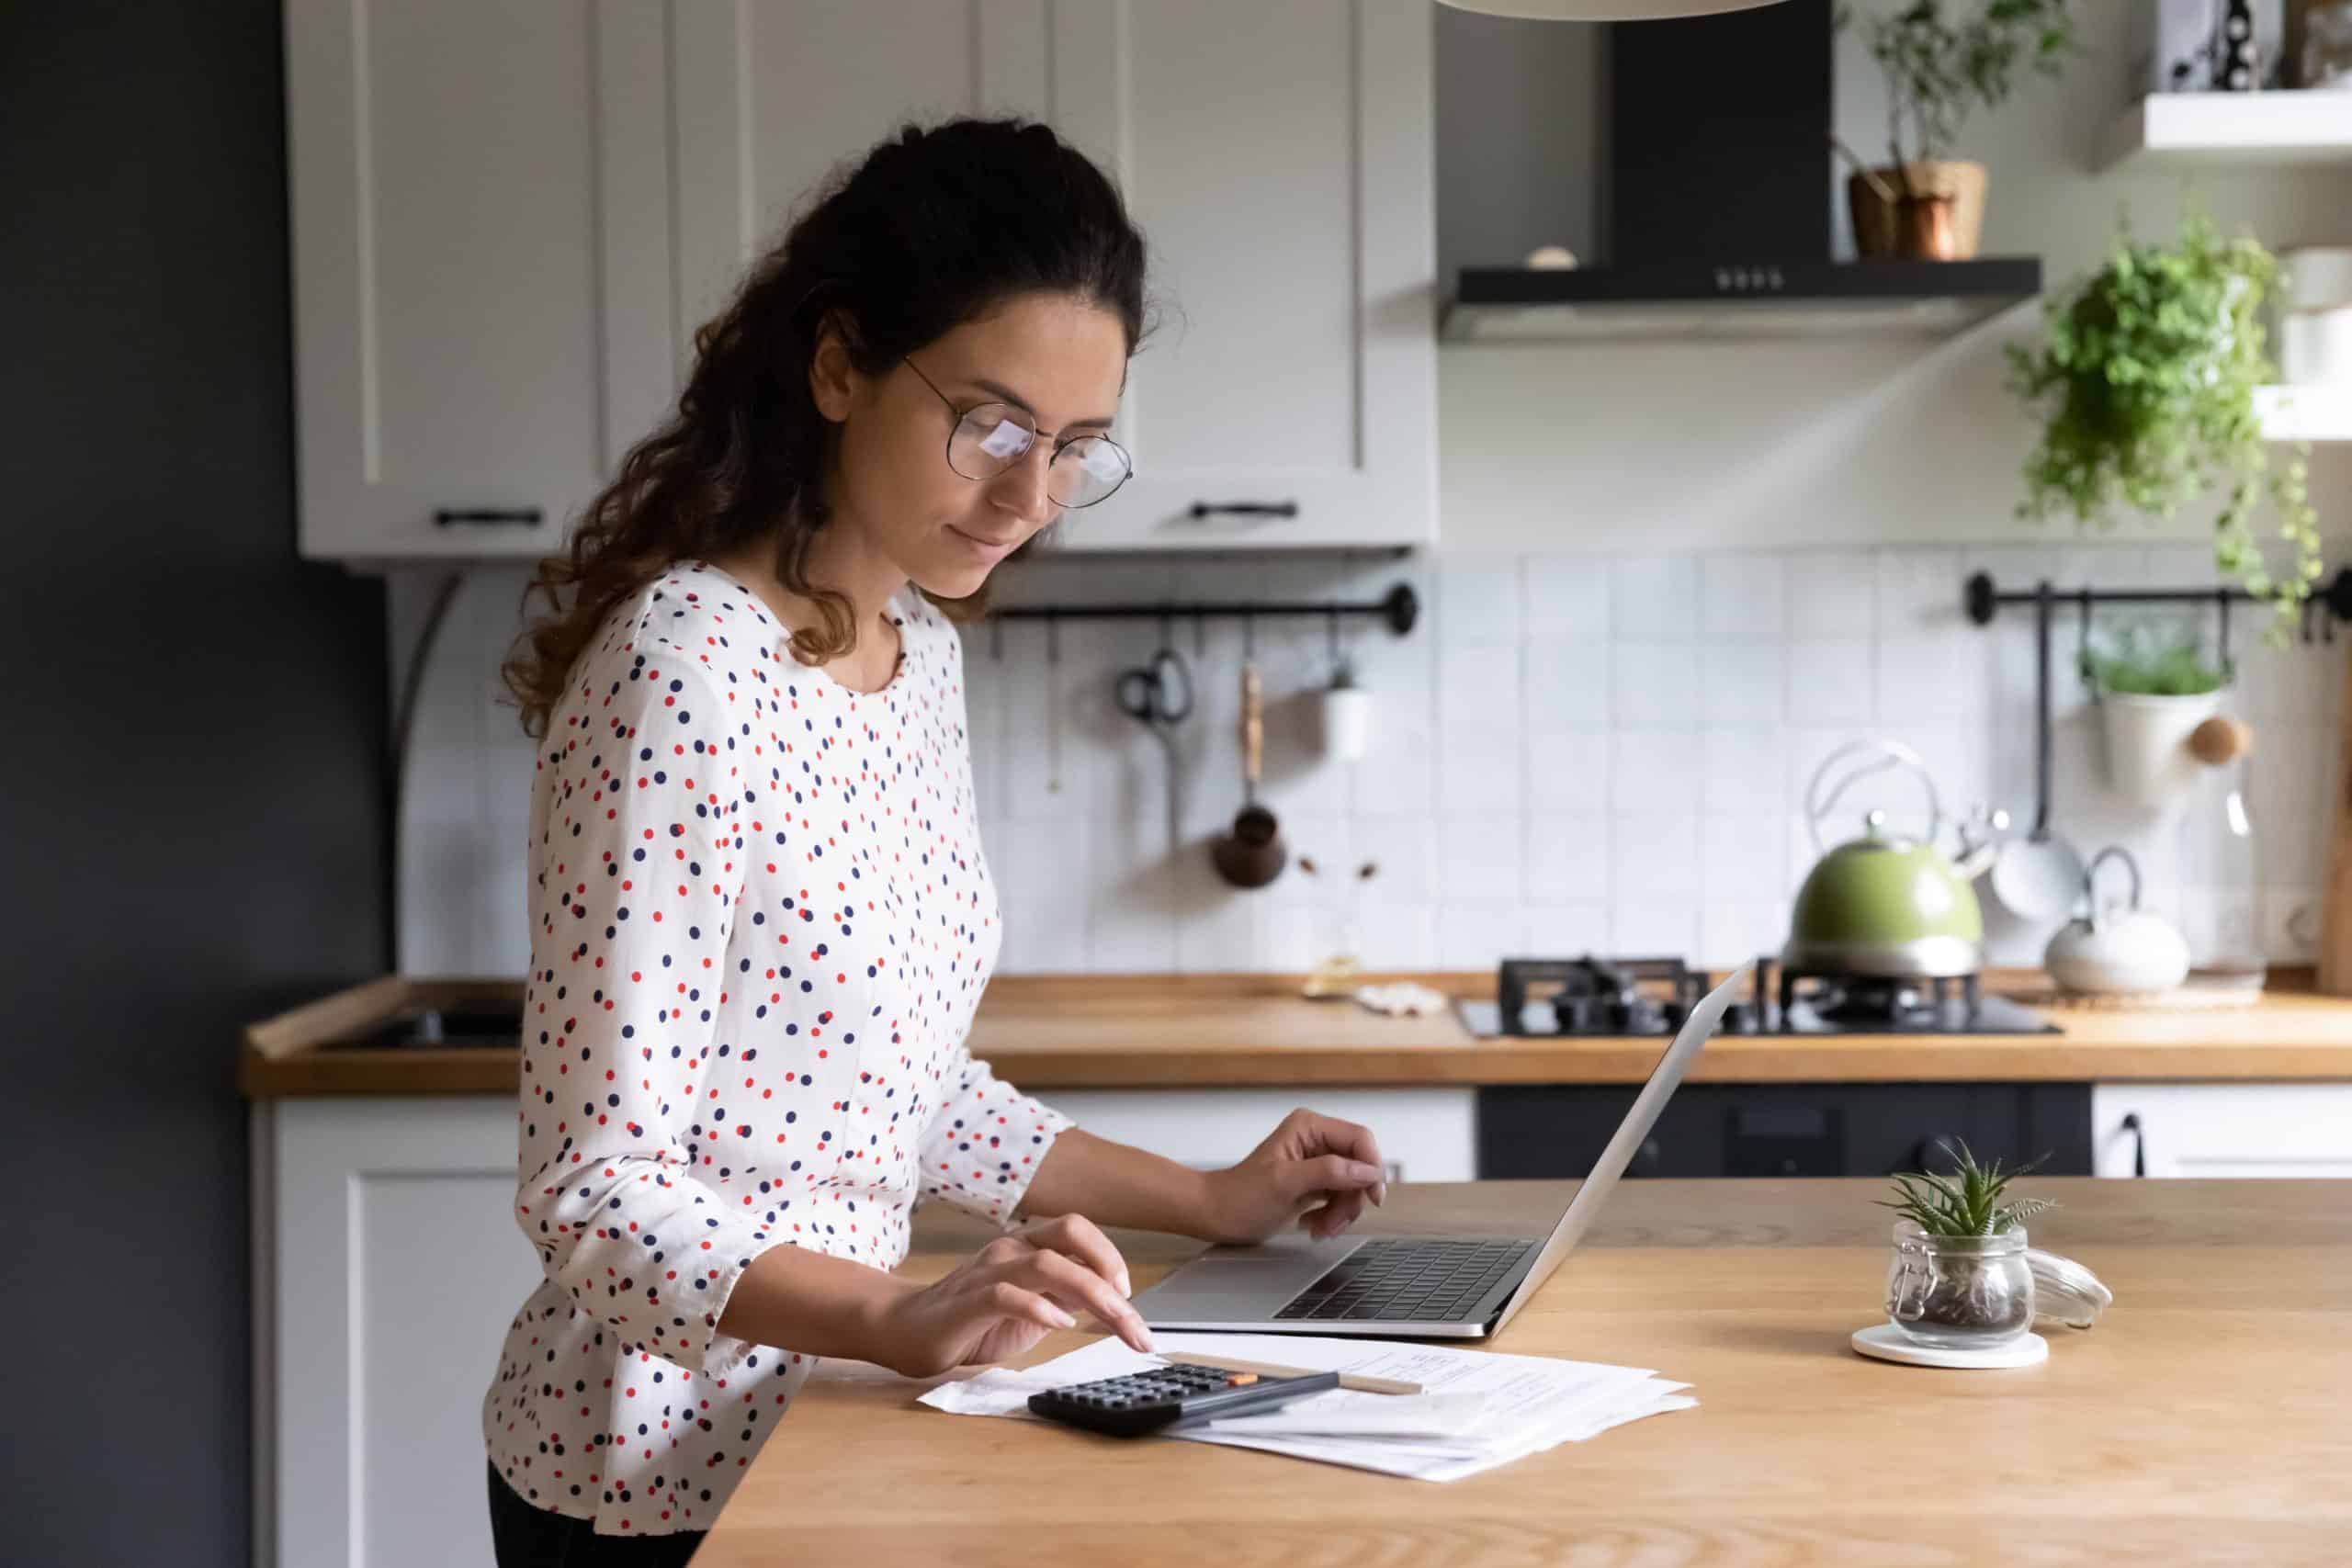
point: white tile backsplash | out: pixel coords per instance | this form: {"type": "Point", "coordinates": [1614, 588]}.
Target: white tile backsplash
{"type": "Point", "coordinates": [1654, 682]}
{"type": "Point", "coordinates": [1573, 752]}
{"type": "Point", "coordinates": [1653, 599]}
{"type": "Point", "coordinates": [1567, 598]}
{"type": "Point", "coordinates": [1742, 682]}
{"type": "Point", "coordinates": [1832, 681]}
{"type": "Point", "coordinates": [1741, 599]}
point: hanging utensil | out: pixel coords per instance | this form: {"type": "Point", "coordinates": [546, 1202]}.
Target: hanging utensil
{"type": "Point", "coordinates": [1159, 696]}
{"type": "Point", "coordinates": [1253, 854]}
{"type": "Point", "coordinates": [2040, 877]}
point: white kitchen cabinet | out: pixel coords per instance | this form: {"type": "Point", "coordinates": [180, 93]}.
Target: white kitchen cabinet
{"type": "Point", "coordinates": [1280, 161]}
{"type": "Point", "coordinates": [1425, 1134]}
{"type": "Point", "coordinates": [2223, 1129]}
{"type": "Point", "coordinates": [509, 219]}
{"type": "Point", "coordinates": [479, 313]}
{"type": "Point", "coordinates": [386, 1267]}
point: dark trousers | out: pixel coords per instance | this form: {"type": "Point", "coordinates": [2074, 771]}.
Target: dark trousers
{"type": "Point", "coordinates": [524, 1535]}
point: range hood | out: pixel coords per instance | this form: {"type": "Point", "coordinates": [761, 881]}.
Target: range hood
{"type": "Point", "coordinates": [1717, 205]}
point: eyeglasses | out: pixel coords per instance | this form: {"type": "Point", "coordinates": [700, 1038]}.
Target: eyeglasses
{"type": "Point", "coordinates": [990, 437]}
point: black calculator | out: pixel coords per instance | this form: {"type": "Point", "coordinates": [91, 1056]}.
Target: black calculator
{"type": "Point", "coordinates": [1153, 1400]}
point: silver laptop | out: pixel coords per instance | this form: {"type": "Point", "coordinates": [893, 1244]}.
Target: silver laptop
{"type": "Point", "coordinates": [1451, 1287]}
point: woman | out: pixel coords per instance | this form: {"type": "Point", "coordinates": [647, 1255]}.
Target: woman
{"type": "Point", "coordinates": [761, 915]}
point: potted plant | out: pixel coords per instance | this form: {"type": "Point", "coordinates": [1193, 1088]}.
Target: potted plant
{"type": "Point", "coordinates": [1960, 1278]}
{"type": "Point", "coordinates": [1938, 69]}
{"type": "Point", "coordinates": [2153, 689]}
{"type": "Point", "coordinates": [2147, 373]}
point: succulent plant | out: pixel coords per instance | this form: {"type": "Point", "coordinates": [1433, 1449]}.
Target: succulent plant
{"type": "Point", "coordinates": [1968, 1202]}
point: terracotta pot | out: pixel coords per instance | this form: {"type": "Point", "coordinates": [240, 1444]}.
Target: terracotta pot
{"type": "Point", "coordinates": [1880, 229]}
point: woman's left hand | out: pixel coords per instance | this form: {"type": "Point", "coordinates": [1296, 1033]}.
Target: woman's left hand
{"type": "Point", "coordinates": [1317, 1170]}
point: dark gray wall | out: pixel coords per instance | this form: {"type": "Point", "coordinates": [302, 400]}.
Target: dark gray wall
{"type": "Point", "coordinates": [191, 761]}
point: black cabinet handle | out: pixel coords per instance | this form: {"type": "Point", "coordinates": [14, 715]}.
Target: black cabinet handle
{"type": "Point", "coordinates": [1245, 509]}
{"type": "Point", "coordinates": [2139, 1142]}
{"type": "Point", "coordinates": [517, 516]}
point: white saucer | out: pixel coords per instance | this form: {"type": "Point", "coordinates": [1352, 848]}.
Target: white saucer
{"type": "Point", "coordinates": [1888, 1344]}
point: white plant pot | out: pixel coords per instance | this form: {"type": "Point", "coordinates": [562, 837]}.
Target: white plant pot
{"type": "Point", "coordinates": [1347, 722]}
{"type": "Point", "coordinates": [2148, 760]}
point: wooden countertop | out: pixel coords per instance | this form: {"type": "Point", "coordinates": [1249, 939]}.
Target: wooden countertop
{"type": "Point", "coordinates": [1044, 1033]}
{"type": "Point", "coordinates": [2202, 1420]}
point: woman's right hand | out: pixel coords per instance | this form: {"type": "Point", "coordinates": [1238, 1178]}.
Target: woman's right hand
{"type": "Point", "coordinates": [1007, 1296]}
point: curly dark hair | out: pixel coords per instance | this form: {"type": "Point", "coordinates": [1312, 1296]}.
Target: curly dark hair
{"type": "Point", "coordinates": [933, 228]}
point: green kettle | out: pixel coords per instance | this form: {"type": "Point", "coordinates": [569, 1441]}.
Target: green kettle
{"type": "Point", "coordinates": [1884, 905]}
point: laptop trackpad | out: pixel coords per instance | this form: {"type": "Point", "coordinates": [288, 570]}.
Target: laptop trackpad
{"type": "Point", "coordinates": [1238, 1280]}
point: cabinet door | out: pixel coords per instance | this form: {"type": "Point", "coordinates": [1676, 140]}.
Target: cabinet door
{"type": "Point", "coordinates": [388, 1269]}
{"type": "Point", "coordinates": [2223, 1129]}
{"type": "Point", "coordinates": [451, 172]}
{"type": "Point", "coordinates": [1278, 158]}
{"type": "Point", "coordinates": [771, 94]}
{"type": "Point", "coordinates": [1425, 1134]}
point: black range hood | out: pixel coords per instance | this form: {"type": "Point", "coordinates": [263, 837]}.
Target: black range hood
{"type": "Point", "coordinates": [1717, 204]}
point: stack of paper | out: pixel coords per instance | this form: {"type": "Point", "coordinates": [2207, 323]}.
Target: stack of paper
{"type": "Point", "coordinates": [1478, 1408]}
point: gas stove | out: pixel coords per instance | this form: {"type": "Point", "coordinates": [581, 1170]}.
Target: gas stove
{"type": "Point", "coordinates": [1593, 996]}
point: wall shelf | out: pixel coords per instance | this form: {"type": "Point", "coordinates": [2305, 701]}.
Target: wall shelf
{"type": "Point", "coordinates": [2179, 131]}
{"type": "Point", "coordinates": [2305, 412]}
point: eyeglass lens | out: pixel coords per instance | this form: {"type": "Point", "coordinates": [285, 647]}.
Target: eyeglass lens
{"type": "Point", "coordinates": [991, 437]}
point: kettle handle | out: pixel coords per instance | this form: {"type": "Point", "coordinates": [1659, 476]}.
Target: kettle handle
{"type": "Point", "coordinates": [1892, 753]}
{"type": "Point", "coordinates": [2090, 879]}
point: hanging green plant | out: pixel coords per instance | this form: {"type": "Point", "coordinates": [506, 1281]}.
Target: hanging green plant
{"type": "Point", "coordinates": [2148, 374]}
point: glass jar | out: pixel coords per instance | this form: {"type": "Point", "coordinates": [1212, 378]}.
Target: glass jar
{"type": "Point", "coordinates": [1965, 1292]}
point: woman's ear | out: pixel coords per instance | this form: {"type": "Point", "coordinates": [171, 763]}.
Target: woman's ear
{"type": "Point", "coordinates": [832, 380]}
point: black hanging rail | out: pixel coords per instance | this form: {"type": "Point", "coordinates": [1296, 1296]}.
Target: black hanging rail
{"type": "Point", "coordinates": [1983, 599]}
{"type": "Point", "coordinates": [1400, 607]}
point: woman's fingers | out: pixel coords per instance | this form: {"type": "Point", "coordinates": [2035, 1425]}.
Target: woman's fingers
{"type": "Point", "coordinates": [1071, 1284]}
{"type": "Point", "coordinates": [1009, 1300]}
{"type": "Point", "coordinates": [1329, 1173]}
{"type": "Point", "coordinates": [1319, 1133]}
{"type": "Point", "coordinates": [1083, 1239]}
{"type": "Point", "coordinates": [1064, 1279]}
{"type": "Point", "coordinates": [1333, 1215]}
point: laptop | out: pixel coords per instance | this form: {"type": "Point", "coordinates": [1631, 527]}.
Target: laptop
{"type": "Point", "coordinates": [1437, 1287]}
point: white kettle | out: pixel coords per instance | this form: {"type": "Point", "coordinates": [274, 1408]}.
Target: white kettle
{"type": "Point", "coordinates": [2111, 951]}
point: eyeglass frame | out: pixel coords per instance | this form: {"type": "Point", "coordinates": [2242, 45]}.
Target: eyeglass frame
{"type": "Point", "coordinates": [1060, 445]}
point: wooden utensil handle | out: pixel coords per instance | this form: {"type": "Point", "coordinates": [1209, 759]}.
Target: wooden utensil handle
{"type": "Point", "coordinates": [1253, 724]}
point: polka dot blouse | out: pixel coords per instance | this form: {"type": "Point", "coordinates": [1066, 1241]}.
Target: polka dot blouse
{"type": "Point", "coordinates": [760, 924]}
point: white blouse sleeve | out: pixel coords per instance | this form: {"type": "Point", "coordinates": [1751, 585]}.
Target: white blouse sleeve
{"type": "Point", "coordinates": [986, 1141]}
{"type": "Point", "coordinates": [639, 874]}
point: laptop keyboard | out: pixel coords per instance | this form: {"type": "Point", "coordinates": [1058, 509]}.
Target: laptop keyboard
{"type": "Point", "coordinates": [1391, 1281]}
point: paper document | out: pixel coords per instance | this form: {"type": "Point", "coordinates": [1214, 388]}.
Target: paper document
{"type": "Point", "coordinates": [1478, 1408]}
